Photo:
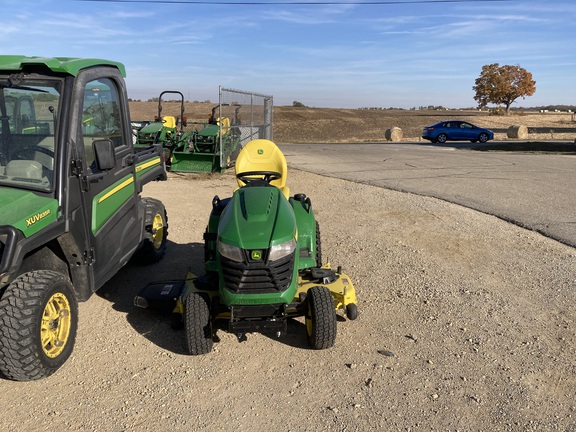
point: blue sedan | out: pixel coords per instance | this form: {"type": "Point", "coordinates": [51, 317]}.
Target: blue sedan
{"type": "Point", "coordinates": [456, 130]}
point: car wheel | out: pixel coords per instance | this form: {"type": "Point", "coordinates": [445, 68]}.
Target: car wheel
{"type": "Point", "coordinates": [442, 138]}
{"type": "Point", "coordinates": [483, 137]}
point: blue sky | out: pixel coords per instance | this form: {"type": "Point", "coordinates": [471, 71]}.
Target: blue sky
{"type": "Point", "coordinates": [400, 55]}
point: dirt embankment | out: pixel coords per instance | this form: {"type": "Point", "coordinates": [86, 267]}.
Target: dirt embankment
{"type": "Point", "coordinates": [324, 125]}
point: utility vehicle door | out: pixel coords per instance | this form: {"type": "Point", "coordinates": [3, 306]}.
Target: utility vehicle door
{"type": "Point", "coordinates": [109, 195]}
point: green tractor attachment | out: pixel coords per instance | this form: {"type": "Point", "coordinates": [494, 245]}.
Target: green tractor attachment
{"type": "Point", "coordinates": [263, 264]}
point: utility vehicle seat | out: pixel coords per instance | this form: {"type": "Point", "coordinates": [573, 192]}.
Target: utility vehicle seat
{"type": "Point", "coordinates": [24, 168]}
{"type": "Point", "coordinates": [263, 155]}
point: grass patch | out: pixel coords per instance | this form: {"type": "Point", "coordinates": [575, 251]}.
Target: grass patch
{"type": "Point", "coordinates": [530, 147]}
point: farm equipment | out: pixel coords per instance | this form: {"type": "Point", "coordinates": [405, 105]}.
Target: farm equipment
{"type": "Point", "coordinates": [212, 147]}
{"type": "Point", "coordinates": [263, 263]}
{"type": "Point", "coordinates": [167, 131]}
{"type": "Point", "coordinates": [71, 214]}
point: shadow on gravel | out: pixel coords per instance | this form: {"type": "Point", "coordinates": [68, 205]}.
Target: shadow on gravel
{"type": "Point", "coordinates": [127, 283]}
{"type": "Point", "coordinates": [296, 336]}
{"type": "Point", "coordinates": [156, 325]}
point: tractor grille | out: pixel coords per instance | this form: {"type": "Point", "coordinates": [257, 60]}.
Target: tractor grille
{"type": "Point", "coordinates": [258, 277]}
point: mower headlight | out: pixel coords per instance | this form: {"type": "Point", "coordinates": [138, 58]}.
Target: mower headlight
{"type": "Point", "coordinates": [231, 252]}
{"type": "Point", "coordinates": [280, 251]}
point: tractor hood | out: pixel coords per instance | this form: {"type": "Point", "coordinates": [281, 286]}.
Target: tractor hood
{"type": "Point", "coordinates": [210, 130]}
{"type": "Point", "coordinates": [257, 217]}
{"type": "Point", "coordinates": [26, 211]}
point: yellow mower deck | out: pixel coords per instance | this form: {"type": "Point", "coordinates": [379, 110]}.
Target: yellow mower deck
{"type": "Point", "coordinates": [342, 290]}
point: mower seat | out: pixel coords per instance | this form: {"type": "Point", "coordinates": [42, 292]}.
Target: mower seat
{"type": "Point", "coordinates": [263, 155]}
{"type": "Point", "coordinates": [169, 121]}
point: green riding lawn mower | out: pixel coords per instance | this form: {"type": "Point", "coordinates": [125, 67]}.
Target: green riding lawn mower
{"type": "Point", "coordinates": [263, 263]}
{"type": "Point", "coordinates": [209, 146]}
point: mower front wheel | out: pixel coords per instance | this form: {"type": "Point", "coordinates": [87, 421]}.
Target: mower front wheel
{"type": "Point", "coordinates": [320, 318]}
{"type": "Point", "coordinates": [197, 324]}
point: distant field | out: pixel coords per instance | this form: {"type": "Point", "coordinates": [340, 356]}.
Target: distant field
{"type": "Point", "coordinates": [323, 125]}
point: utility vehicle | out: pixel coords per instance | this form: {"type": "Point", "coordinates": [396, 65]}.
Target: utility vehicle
{"type": "Point", "coordinates": [71, 214]}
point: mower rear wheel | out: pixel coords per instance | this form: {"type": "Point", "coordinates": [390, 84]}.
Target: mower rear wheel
{"type": "Point", "coordinates": [39, 316]}
{"type": "Point", "coordinates": [197, 324]}
{"type": "Point", "coordinates": [320, 318]}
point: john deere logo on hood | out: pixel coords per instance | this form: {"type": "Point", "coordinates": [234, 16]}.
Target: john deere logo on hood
{"type": "Point", "coordinates": [256, 255]}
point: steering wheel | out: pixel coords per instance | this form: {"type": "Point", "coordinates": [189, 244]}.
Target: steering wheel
{"type": "Point", "coordinates": [20, 154]}
{"type": "Point", "coordinates": [264, 176]}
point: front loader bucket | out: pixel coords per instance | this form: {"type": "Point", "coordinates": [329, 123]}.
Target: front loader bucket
{"type": "Point", "coordinates": [195, 162]}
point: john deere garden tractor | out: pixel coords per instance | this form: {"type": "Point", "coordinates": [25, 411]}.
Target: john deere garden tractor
{"type": "Point", "coordinates": [263, 262]}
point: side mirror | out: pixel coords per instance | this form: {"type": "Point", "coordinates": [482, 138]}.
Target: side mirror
{"type": "Point", "coordinates": [104, 154]}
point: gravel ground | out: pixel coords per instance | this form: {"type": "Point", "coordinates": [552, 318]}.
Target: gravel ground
{"type": "Point", "coordinates": [465, 323]}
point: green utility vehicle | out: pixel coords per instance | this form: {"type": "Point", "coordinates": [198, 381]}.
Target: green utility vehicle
{"type": "Point", "coordinates": [71, 214]}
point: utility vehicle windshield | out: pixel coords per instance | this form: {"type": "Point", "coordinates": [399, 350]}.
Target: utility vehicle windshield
{"type": "Point", "coordinates": [28, 110]}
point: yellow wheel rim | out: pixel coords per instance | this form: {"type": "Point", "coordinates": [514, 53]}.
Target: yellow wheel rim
{"type": "Point", "coordinates": [157, 231]}
{"type": "Point", "coordinates": [56, 324]}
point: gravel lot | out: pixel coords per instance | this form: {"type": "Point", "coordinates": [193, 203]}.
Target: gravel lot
{"type": "Point", "coordinates": [465, 323]}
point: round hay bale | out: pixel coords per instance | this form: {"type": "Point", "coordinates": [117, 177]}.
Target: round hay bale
{"type": "Point", "coordinates": [517, 131]}
{"type": "Point", "coordinates": [394, 134]}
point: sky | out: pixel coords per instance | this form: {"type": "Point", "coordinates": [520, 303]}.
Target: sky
{"type": "Point", "coordinates": [400, 54]}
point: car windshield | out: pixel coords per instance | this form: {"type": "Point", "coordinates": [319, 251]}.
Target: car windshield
{"type": "Point", "coordinates": [28, 109]}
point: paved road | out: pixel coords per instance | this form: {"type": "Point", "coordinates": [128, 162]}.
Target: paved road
{"type": "Point", "coordinates": [536, 191]}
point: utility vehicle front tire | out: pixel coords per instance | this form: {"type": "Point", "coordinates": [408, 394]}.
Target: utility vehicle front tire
{"type": "Point", "coordinates": [320, 318]}
{"type": "Point", "coordinates": [197, 324]}
{"type": "Point", "coordinates": [154, 246]}
{"type": "Point", "coordinates": [38, 323]}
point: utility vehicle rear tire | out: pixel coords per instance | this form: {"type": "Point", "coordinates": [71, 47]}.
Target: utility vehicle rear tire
{"type": "Point", "coordinates": [197, 324]}
{"type": "Point", "coordinates": [154, 246]}
{"type": "Point", "coordinates": [39, 319]}
{"type": "Point", "coordinates": [321, 318]}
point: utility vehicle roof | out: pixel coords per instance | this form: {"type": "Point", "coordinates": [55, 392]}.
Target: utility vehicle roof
{"type": "Point", "coordinates": [68, 65]}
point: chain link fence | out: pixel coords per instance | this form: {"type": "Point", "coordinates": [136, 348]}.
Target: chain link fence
{"type": "Point", "coordinates": [250, 117]}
